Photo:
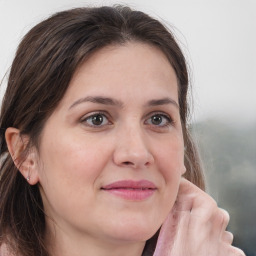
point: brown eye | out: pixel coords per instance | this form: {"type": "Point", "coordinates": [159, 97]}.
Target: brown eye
{"type": "Point", "coordinates": [156, 120]}
{"type": "Point", "coordinates": [96, 120]}
{"type": "Point", "coordinates": [159, 120]}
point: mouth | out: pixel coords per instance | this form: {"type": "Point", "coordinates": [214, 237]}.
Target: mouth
{"type": "Point", "coordinates": [131, 190]}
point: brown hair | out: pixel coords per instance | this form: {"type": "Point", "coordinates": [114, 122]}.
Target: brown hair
{"type": "Point", "coordinates": [45, 62]}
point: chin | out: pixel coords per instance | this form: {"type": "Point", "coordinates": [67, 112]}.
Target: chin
{"type": "Point", "coordinates": [131, 226]}
{"type": "Point", "coordinates": [136, 232]}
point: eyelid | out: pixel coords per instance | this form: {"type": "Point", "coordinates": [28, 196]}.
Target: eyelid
{"type": "Point", "coordinates": [99, 112]}
{"type": "Point", "coordinates": [166, 116]}
{"type": "Point", "coordinates": [163, 114]}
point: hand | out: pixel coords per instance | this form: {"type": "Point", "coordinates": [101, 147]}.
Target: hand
{"type": "Point", "coordinates": [195, 227]}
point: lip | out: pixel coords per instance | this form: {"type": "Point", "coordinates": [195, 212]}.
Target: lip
{"type": "Point", "coordinates": [131, 190]}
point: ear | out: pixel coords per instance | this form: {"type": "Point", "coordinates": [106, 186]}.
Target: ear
{"type": "Point", "coordinates": [26, 162]}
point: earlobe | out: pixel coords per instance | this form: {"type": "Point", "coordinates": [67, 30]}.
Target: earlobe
{"type": "Point", "coordinates": [24, 160]}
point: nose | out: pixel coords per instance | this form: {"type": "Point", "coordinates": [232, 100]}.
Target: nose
{"type": "Point", "coordinates": [132, 150]}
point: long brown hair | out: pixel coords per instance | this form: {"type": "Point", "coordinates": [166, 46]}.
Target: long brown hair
{"type": "Point", "coordinates": [44, 64]}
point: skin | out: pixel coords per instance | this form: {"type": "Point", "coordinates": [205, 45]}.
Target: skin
{"type": "Point", "coordinates": [77, 158]}
{"type": "Point", "coordinates": [195, 226]}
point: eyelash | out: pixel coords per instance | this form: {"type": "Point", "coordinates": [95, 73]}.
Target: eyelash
{"type": "Point", "coordinates": [167, 118]}
{"type": "Point", "coordinates": [92, 115]}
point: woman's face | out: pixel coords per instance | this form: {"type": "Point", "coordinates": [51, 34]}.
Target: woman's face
{"type": "Point", "coordinates": [111, 154]}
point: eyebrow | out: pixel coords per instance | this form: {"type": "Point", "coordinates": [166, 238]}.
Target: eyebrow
{"type": "Point", "coordinates": [114, 102]}
{"type": "Point", "coordinates": [164, 101]}
{"type": "Point", "coordinates": [99, 100]}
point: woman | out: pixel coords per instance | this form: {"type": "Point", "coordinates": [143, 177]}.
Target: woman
{"type": "Point", "coordinates": [96, 154]}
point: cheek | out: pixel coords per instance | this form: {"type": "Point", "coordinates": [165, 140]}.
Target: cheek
{"type": "Point", "coordinates": [69, 170]}
{"type": "Point", "coordinates": [170, 163]}
{"type": "Point", "coordinates": [71, 157]}
{"type": "Point", "coordinates": [170, 158]}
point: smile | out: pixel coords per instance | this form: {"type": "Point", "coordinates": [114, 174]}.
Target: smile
{"type": "Point", "coordinates": [131, 190]}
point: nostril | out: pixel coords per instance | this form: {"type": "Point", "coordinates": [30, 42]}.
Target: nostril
{"type": "Point", "coordinates": [130, 159]}
{"type": "Point", "coordinates": [127, 163]}
{"type": "Point", "coordinates": [147, 164]}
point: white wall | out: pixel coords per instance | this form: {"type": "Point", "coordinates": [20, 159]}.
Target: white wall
{"type": "Point", "coordinates": [218, 36]}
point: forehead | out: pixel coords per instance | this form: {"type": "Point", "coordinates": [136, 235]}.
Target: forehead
{"type": "Point", "coordinates": [128, 69]}
{"type": "Point", "coordinates": [121, 56]}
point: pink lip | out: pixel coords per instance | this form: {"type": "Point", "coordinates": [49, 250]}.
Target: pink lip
{"type": "Point", "coordinates": [131, 190]}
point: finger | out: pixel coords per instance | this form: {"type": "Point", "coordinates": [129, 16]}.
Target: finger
{"type": "Point", "coordinates": [228, 250]}
{"type": "Point", "coordinates": [224, 218]}
{"type": "Point", "coordinates": [205, 216]}
{"type": "Point", "coordinates": [187, 187]}
{"type": "Point", "coordinates": [185, 197]}
{"type": "Point", "coordinates": [227, 237]}
{"type": "Point", "coordinates": [212, 220]}
{"type": "Point", "coordinates": [191, 197]}
{"type": "Point", "coordinates": [220, 220]}
{"type": "Point", "coordinates": [234, 251]}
